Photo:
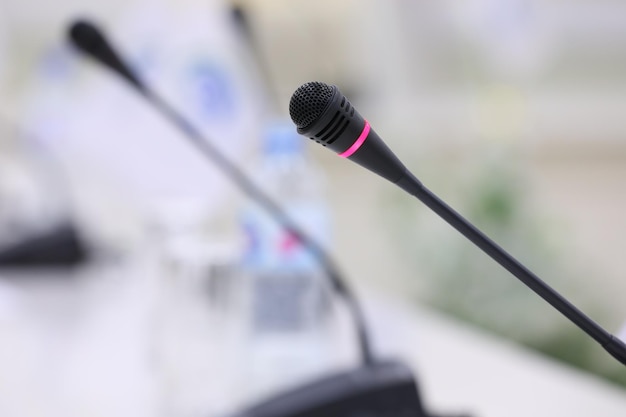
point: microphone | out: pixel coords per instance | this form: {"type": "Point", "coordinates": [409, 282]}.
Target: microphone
{"type": "Point", "coordinates": [86, 37]}
{"type": "Point", "coordinates": [91, 41]}
{"type": "Point", "coordinates": [325, 116]}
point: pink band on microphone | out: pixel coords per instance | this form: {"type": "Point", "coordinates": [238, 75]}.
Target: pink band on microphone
{"type": "Point", "coordinates": [357, 144]}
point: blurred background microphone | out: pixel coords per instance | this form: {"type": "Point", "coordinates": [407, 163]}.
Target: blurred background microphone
{"type": "Point", "coordinates": [278, 244]}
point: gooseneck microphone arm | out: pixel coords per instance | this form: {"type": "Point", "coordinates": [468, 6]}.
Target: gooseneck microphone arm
{"type": "Point", "coordinates": [324, 115]}
{"type": "Point", "coordinates": [91, 41]}
{"type": "Point", "coordinates": [275, 211]}
{"type": "Point", "coordinates": [610, 343]}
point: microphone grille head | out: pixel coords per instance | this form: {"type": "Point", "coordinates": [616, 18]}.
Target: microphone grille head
{"type": "Point", "coordinates": [309, 102]}
{"type": "Point", "coordinates": [85, 35]}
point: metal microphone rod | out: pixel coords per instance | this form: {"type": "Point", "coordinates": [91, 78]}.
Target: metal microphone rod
{"type": "Point", "coordinates": [610, 343]}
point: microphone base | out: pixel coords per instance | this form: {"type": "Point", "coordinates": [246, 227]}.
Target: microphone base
{"type": "Point", "coordinates": [57, 248]}
{"type": "Point", "coordinates": [386, 388]}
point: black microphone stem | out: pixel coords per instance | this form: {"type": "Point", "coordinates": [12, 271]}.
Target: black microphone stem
{"type": "Point", "coordinates": [91, 41]}
{"type": "Point", "coordinates": [256, 194]}
{"type": "Point", "coordinates": [610, 343]}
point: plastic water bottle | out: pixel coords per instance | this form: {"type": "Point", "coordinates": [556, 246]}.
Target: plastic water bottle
{"type": "Point", "coordinates": [289, 294]}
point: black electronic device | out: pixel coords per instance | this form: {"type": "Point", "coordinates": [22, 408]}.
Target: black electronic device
{"type": "Point", "coordinates": [60, 246]}
{"type": "Point", "coordinates": [383, 389]}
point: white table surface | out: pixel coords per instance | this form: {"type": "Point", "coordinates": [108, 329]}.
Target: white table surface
{"type": "Point", "coordinates": [98, 346]}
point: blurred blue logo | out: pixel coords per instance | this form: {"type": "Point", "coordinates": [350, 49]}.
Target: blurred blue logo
{"type": "Point", "coordinates": [57, 63]}
{"type": "Point", "coordinates": [212, 91]}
